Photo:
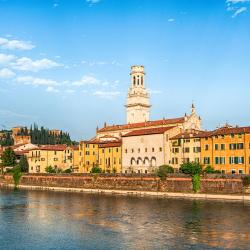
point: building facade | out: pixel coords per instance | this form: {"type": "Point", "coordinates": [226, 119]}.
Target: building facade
{"type": "Point", "coordinates": [227, 149]}
{"type": "Point", "coordinates": [60, 157]}
{"type": "Point", "coordinates": [185, 147]}
{"type": "Point", "coordinates": [145, 150]}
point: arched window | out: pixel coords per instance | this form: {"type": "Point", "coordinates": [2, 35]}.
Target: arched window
{"type": "Point", "coordinates": [132, 161]}
{"type": "Point", "coordinates": [153, 162]}
{"type": "Point", "coordinates": [139, 161]}
{"type": "Point", "coordinates": [138, 80]}
{"type": "Point", "coordinates": [142, 80]}
{"type": "Point", "coordinates": [134, 80]}
{"type": "Point", "coordinates": [146, 162]}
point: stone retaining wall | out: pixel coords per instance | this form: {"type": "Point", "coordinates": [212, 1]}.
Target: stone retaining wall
{"type": "Point", "coordinates": [139, 183]}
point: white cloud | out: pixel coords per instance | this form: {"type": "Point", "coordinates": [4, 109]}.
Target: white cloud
{"type": "Point", "coordinates": [6, 73]}
{"type": "Point", "coordinates": [15, 44]}
{"type": "Point", "coordinates": [171, 20]}
{"type": "Point", "coordinates": [237, 6]}
{"type": "Point", "coordinates": [106, 94]}
{"type": "Point", "coordinates": [237, 1]}
{"type": "Point", "coordinates": [52, 89]}
{"type": "Point", "coordinates": [30, 80]}
{"type": "Point", "coordinates": [93, 1]}
{"type": "Point", "coordinates": [239, 11]}
{"type": "Point", "coordinates": [86, 80]}
{"type": "Point", "coordinates": [4, 58]}
{"type": "Point", "coordinates": [27, 64]}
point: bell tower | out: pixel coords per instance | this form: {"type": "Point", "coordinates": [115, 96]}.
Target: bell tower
{"type": "Point", "coordinates": [138, 106]}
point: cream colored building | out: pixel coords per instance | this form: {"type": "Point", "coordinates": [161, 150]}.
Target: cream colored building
{"type": "Point", "coordinates": [146, 149]}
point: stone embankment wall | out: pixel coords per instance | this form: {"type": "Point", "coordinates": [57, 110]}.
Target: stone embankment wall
{"type": "Point", "coordinates": [225, 185]}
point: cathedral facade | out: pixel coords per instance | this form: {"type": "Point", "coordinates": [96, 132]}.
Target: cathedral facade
{"type": "Point", "coordinates": [145, 144]}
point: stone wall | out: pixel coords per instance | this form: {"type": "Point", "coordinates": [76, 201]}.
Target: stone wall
{"type": "Point", "coordinates": [139, 183]}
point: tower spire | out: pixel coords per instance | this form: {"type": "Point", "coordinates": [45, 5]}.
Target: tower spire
{"type": "Point", "coordinates": [137, 106]}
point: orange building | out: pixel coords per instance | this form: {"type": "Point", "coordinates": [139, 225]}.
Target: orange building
{"type": "Point", "coordinates": [227, 149]}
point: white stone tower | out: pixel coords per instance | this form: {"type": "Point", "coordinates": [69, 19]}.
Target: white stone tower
{"type": "Point", "coordinates": [138, 106]}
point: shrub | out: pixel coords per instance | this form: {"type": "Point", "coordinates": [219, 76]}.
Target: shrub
{"type": "Point", "coordinates": [68, 171]}
{"type": "Point", "coordinates": [50, 170]}
{"type": "Point", "coordinates": [191, 168]}
{"type": "Point", "coordinates": [210, 170]}
{"type": "Point", "coordinates": [246, 180]}
{"type": "Point", "coordinates": [196, 183]}
{"type": "Point", "coordinates": [17, 174]}
{"type": "Point", "coordinates": [96, 170]}
{"type": "Point", "coordinates": [164, 170]}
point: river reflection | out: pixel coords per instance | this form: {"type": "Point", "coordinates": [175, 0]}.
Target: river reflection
{"type": "Point", "coordinates": [55, 220]}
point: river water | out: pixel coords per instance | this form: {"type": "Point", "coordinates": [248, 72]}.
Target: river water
{"type": "Point", "coordinates": [56, 220]}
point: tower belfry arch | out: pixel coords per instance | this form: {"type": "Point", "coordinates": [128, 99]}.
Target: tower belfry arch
{"type": "Point", "coordinates": [138, 104]}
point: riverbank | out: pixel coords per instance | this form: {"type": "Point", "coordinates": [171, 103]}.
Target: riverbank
{"type": "Point", "coordinates": [211, 187]}
{"type": "Point", "coordinates": [232, 197]}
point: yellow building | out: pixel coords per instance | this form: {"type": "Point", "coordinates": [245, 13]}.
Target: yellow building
{"type": "Point", "coordinates": [185, 147]}
{"type": "Point", "coordinates": [57, 156]}
{"type": "Point", "coordinates": [110, 154]}
{"type": "Point", "coordinates": [88, 155]}
{"type": "Point", "coordinates": [227, 149]}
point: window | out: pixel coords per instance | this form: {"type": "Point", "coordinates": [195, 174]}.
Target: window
{"type": "Point", "coordinates": [222, 146]}
{"type": "Point", "coordinates": [206, 160]}
{"type": "Point", "coordinates": [239, 135]}
{"type": "Point", "coordinates": [175, 150]}
{"type": "Point", "coordinates": [117, 149]}
{"type": "Point", "coordinates": [146, 171]}
{"type": "Point", "coordinates": [42, 159]}
{"type": "Point", "coordinates": [153, 150]}
{"type": "Point", "coordinates": [240, 146]}
{"type": "Point", "coordinates": [114, 160]}
{"type": "Point", "coordinates": [196, 149]}
{"type": "Point", "coordinates": [139, 150]}
{"type": "Point", "coordinates": [55, 159]}
{"type": "Point", "coordinates": [240, 171]}
{"type": "Point", "coordinates": [160, 149]}
{"type": "Point", "coordinates": [54, 152]}
{"type": "Point", "coordinates": [132, 150]}
{"type": "Point", "coordinates": [222, 160]}
{"type": "Point", "coordinates": [223, 171]}
{"type": "Point", "coordinates": [216, 146]}
{"type": "Point", "coordinates": [216, 160]}
{"type": "Point", "coordinates": [233, 171]}
{"type": "Point", "coordinates": [146, 150]}
{"type": "Point", "coordinates": [232, 146]}
{"type": "Point", "coordinates": [103, 151]}
{"type": "Point", "coordinates": [206, 147]}
{"type": "Point", "coordinates": [197, 160]}
{"type": "Point", "coordinates": [126, 151]}
{"type": "Point", "coordinates": [186, 150]}
{"type": "Point", "coordinates": [232, 135]}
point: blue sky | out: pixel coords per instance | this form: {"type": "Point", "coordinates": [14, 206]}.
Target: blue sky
{"type": "Point", "coordinates": [65, 64]}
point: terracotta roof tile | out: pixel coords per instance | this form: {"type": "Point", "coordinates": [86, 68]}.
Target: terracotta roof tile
{"type": "Point", "coordinates": [149, 131]}
{"type": "Point", "coordinates": [143, 124]}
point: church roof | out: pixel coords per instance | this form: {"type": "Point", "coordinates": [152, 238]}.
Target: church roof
{"type": "Point", "coordinates": [148, 131]}
{"type": "Point", "coordinates": [143, 124]}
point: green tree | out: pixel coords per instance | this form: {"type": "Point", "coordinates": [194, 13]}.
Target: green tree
{"type": "Point", "coordinates": [23, 164]}
{"type": "Point", "coordinates": [191, 168]}
{"type": "Point", "coordinates": [96, 170]}
{"type": "Point", "coordinates": [16, 174]}
{"type": "Point", "coordinates": [164, 170]}
{"type": "Point", "coordinates": [194, 169]}
{"type": "Point", "coordinates": [8, 158]}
